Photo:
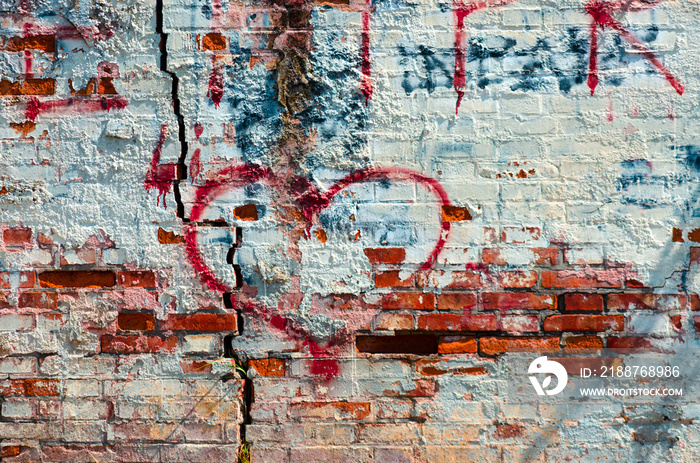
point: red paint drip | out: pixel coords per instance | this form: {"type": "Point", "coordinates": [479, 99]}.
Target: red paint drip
{"type": "Point", "coordinates": [366, 85]}
{"type": "Point", "coordinates": [160, 176]}
{"type": "Point", "coordinates": [198, 129]}
{"type": "Point", "coordinates": [216, 84]}
{"type": "Point", "coordinates": [35, 107]}
{"type": "Point", "coordinates": [611, 115]}
{"type": "Point", "coordinates": [27, 54]}
{"type": "Point", "coordinates": [195, 165]}
{"type": "Point", "coordinates": [602, 16]}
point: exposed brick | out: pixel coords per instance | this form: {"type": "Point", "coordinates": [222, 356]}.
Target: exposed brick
{"type": "Point", "coordinates": [506, 301]}
{"type": "Point", "coordinates": [391, 278]}
{"type": "Point", "coordinates": [268, 366]}
{"type": "Point", "coordinates": [247, 212]}
{"type": "Point", "coordinates": [584, 342]}
{"type": "Point", "coordinates": [200, 322]}
{"type": "Point", "coordinates": [518, 279]}
{"type": "Point", "coordinates": [546, 256]}
{"type": "Point", "coordinates": [168, 237]}
{"type": "Point", "coordinates": [77, 279]}
{"type": "Point", "coordinates": [456, 301]}
{"type": "Point", "coordinates": [466, 280]}
{"type": "Point", "coordinates": [694, 255]}
{"type": "Point", "coordinates": [195, 366]}
{"type": "Point", "coordinates": [629, 342]}
{"type": "Point", "coordinates": [399, 344]}
{"type": "Point", "coordinates": [580, 302]}
{"type": "Point", "coordinates": [213, 41]}
{"type": "Point", "coordinates": [45, 43]}
{"type": "Point", "coordinates": [37, 300]}
{"type": "Point", "coordinates": [136, 321]}
{"type": "Point", "coordinates": [330, 410]}
{"type": "Point", "coordinates": [581, 279]}
{"type": "Point", "coordinates": [584, 322]}
{"type": "Point", "coordinates": [106, 87]}
{"type": "Point", "coordinates": [22, 279]}
{"type": "Point", "coordinates": [520, 323]}
{"type": "Point", "coordinates": [492, 256]}
{"type": "Point", "coordinates": [499, 345]}
{"type": "Point", "coordinates": [395, 322]}
{"type": "Point", "coordinates": [385, 255]}
{"type": "Point", "coordinates": [17, 236]}
{"type": "Point", "coordinates": [141, 278]}
{"type": "Point", "coordinates": [31, 387]}
{"type": "Point", "coordinates": [456, 345]}
{"type": "Point", "coordinates": [646, 301]}
{"type": "Point", "coordinates": [415, 301]}
{"type": "Point", "coordinates": [35, 87]}
{"type": "Point", "coordinates": [137, 344]}
{"type": "Point", "coordinates": [677, 235]}
{"type": "Point", "coordinates": [449, 322]}
{"type": "Point", "coordinates": [455, 214]}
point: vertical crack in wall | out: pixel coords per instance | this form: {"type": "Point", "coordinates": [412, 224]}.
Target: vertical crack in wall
{"type": "Point", "coordinates": [163, 46]}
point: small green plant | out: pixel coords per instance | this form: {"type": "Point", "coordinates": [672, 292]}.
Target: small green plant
{"type": "Point", "coordinates": [244, 452]}
{"type": "Point", "coordinates": [234, 366]}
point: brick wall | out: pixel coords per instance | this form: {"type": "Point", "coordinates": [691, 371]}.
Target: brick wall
{"type": "Point", "coordinates": [286, 231]}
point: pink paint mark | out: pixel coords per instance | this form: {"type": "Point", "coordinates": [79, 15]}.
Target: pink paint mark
{"type": "Point", "coordinates": [601, 13]}
{"type": "Point", "coordinates": [160, 176]}
{"type": "Point", "coordinates": [27, 54]}
{"type": "Point", "coordinates": [366, 85]}
{"type": "Point", "coordinates": [611, 115]}
{"type": "Point", "coordinates": [216, 84]}
{"type": "Point", "coordinates": [198, 129]}
{"type": "Point", "coordinates": [195, 165]}
{"type": "Point", "coordinates": [36, 107]}
{"type": "Point", "coordinates": [460, 11]}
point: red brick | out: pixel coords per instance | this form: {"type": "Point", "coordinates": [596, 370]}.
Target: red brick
{"type": "Point", "coordinates": [415, 301]}
{"type": "Point", "coordinates": [268, 366]}
{"type": "Point", "coordinates": [17, 236]}
{"type": "Point", "coordinates": [520, 235]}
{"type": "Point", "coordinates": [694, 302]}
{"type": "Point", "coordinates": [450, 322]}
{"type": "Point", "coordinates": [491, 256]}
{"type": "Point", "coordinates": [26, 279]}
{"type": "Point", "coordinates": [330, 410]}
{"type": "Point", "coordinates": [577, 302]}
{"type": "Point", "coordinates": [168, 237]}
{"type": "Point", "coordinates": [138, 344]}
{"type": "Point", "coordinates": [391, 279]}
{"type": "Point", "coordinates": [456, 345]}
{"type": "Point", "coordinates": [546, 256]}
{"type": "Point", "coordinates": [677, 235]}
{"type": "Point", "coordinates": [385, 255]}
{"type": "Point", "coordinates": [694, 255]}
{"type": "Point", "coordinates": [518, 279]}
{"type": "Point", "coordinates": [195, 366]}
{"type": "Point", "coordinates": [466, 280]}
{"type": "Point", "coordinates": [200, 322]}
{"type": "Point", "coordinates": [37, 300]}
{"type": "Point", "coordinates": [395, 322]}
{"type": "Point", "coordinates": [27, 87]}
{"type": "Point", "coordinates": [30, 387]}
{"type": "Point", "coordinates": [213, 41]}
{"type": "Point", "coordinates": [520, 323]}
{"type": "Point", "coordinates": [419, 344]}
{"type": "Point", "coordinates": [456, 301]}
{"type": "Point", "coordinates": [581, 279]}
{"type": "Point", "coordinates": [628, 342]}
{"type": "Point", "coordinates": [455, 214]}
{"type": "Point", "coordinates": [584, 323]}
{"type": "Point", "coordinates": [495, 301]}
{"type": "Point", "coordinates": [76, 279]}
{"type": "Point", "coordinates": [584, 342]}
{"type": "Point", "coordinates": [499, 345]}
{"type": "Point", "coordinates": [142, 278]}
{"type": "Point", "coordinates": [642, 301]}
{"type": "Point", "coordinates": [136, 321]}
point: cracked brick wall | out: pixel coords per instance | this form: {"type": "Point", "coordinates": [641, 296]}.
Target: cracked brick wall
{"type": "Point", "coordinates": [312, 230]}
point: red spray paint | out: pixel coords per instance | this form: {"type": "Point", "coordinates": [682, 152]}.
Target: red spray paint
{"type": "Point", "coordinates": [601, 14]}
{"type": "Point", "coordinates": [216, 84]}
{"type": "Point", "coordinates": [82, 105]}
{"type": "Point", "coordinates": [160, 176]}
{"type": "Point", "coordinates": [195, 165]}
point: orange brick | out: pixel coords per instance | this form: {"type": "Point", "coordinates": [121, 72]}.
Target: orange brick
{"type": "Point", "coordinates": [577, 302]}
{"type": "Point", "coordinates": [456, 345]}
{"type": "Point", "coordinates": [499, 345]}
{"type": "Point", "coordinates": [27, 87]}
{"type": "Point", "coordinates": [391, 279]}
{"type": "Point", "coordinates": [518, 279]}
{"type": "Point", "coordinates": [456, 301]}
{"type": "Point", "coordinates": [395, 322]}
{"type": "Point", "coordinates": [141, 278]}
{"type": "Point", "coordinates": [455, 214]}
{"type": "Point", "coordinates": [76, 279]}
{"type": "Point", "coordinates": [584, 342]}
{"type": "Point", "coordinates": [167, 237]}
{"type": "Point", "coordinates": [491, 256]}
{"type": "Point", "coordinates": [415, 301]}
{"type": "Point", "coordinates": [247, 212]}
{"type": "Point", "coordinates": [330, 410]}
{"type": "Point", "coordinates": [546, 256]}
{"type": "Point", "coordinates": [136, 321]}
{"type": "Point", "coordinates": [268, 366]}
{"type": "Point", "coordinates": [579, 279]}
{"type": "Point", "coordinates": [213, 41]}
{"type": "Point", "coordinates": [450, 322]}
{"type": "Point", "coordinates": [495, 301]}
{"type": "Point", "coordinates": [200, 322]}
